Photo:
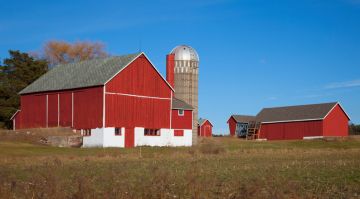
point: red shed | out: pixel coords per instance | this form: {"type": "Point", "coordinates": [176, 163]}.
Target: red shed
{"type": "Point", "coordinates": [239, 123]}
{"type": "Point", "coordinates": [303, 122]}
{"type": "Point", "coordinates": [204, 128]}
{"type": "Point", "coordinates": [116, 101]}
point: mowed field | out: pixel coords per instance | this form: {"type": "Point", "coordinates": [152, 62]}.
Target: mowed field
{"type": "Point", "coordinates": [215, 168]}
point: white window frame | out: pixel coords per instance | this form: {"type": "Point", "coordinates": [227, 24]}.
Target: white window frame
{"type": "Point", "coordinates": [181, 114]}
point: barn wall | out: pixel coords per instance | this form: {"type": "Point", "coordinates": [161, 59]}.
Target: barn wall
{"type": "Point", "coordinates": [130, 111]}
{"type": "Point", "coordinates": [88, 108]}
{"type": "Point", "coordinates": [65, 109]}
{"type": "Point", "coordinates": [181, 122]}
{"type": "Point", "coordinates": [291, 130]}
{"type": "Point", "coordinates": [138, 97]}
{"type": "Point", "coordinates": [206, 129]}
{"type": "Point", "coordinates": [336, 123]}
{"type": "Point", "coordinates": [232, 126]}
{"type": "Point", "coordinates": [139, 78]}
{"type": "Point", "coordinates": [53, 110]}
{"type": "Point", "coordinates": [33, 111]}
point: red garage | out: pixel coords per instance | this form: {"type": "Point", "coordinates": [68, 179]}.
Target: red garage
{"type": "Point", "coordinates": [204, 128]}
{"type": "Point", "coordinates": [303, 122]}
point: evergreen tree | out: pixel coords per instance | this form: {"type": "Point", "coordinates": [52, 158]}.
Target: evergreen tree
{"type": "Point", "coordinates": [17, 72]}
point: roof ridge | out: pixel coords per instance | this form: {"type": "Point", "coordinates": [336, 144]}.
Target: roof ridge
{"type": "Point", "coordinates": [299, 105]}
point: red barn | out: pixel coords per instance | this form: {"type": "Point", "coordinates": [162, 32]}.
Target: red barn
{"type": "Point", "coordinates": [120, 101]}
{"type": "Point", "coordinates": [303, 122]}
{"type": "Point", "coordinates": [204, 128]}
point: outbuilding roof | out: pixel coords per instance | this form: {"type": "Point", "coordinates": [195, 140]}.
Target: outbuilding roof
{"type": "Point", "coordinates": [296, 113]}
{"type": "Point", "coordinates": [243, 118]}
{"type": "Point", "coordinates": [95, 72]}
{"type": "Point", "coordinates": [180, 104]}
{"type": "Point", "coordinates": [201, 121]}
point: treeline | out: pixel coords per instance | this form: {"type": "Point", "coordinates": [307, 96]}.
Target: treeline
{"type": "Point", "coordinates": [21, 69]}
{"type": "Point", "coordinates": [354, 129]}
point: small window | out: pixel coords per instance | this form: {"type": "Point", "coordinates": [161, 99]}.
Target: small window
{"type": "Point", "coordinates": [87, 132]}
{"type": "Point", "coordinates": [181, 112]}
{"type": "Point", "coordinates": [118, 132]}
{"type": "Point", "coordinates": [152, 132]}
{"type": "Point", "coordinates": [178, 132]}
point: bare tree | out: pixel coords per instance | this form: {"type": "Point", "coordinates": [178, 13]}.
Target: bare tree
{"type": "Point", "coordinates": [59, 52]}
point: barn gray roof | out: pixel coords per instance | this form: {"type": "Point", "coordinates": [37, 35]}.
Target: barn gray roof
{"type": "Point", "coordinates": [81, 74]}
{"type": "Point", "coordinates": [179, 104]}
{"type": "Point", "coordinates": [243, 118]}
{"type": "Point", "coordinates": [295, 113]}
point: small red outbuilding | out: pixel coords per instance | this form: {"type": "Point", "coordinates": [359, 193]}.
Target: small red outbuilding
{"type": "Point", "coordinates": [204, 128]}
{"type": "Point", "coordinates": [303, 122]}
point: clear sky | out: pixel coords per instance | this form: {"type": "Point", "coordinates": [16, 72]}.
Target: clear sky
{"type": "Point", "coordinates": [253, 53]}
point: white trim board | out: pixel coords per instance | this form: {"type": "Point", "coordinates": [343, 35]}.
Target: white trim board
{"type": "Point", "coordinates": [140, 96]}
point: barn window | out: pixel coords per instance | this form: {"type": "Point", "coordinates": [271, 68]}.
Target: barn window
{"type": "Point", "coordinates": [87, 132]}
{"type": "Point", "coordinates": [152, 132]}
{"type": "Point", "coordinates": [178, 132]}
{"type": "Point", "coordinates": [118, 132]}
{"type": "Point", "coordinates": [181, 112]}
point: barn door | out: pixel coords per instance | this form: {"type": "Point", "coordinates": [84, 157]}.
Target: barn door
{"type": "Point", "coordinates": [129, 137]}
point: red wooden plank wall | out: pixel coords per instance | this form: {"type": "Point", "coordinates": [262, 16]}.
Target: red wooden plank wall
{"type": "Point", "coordinates": [53, 110]}
{"type": "Point", "coordinates": [232, 126]}
{"type": "Point", "coordinates": [336, 123]}
{"type": "Point", "coordinates": [129, 111]}
{"type": "Point", "coordinates": [65, 109]}
{"type": "Point", "coordinates": [291, 130]}
{"type": "Point", "coordinates": [139, 78]}
{"type": "Point", "coordinates": [206, 129]}
{"type": "Point", "coordinates": [33, 111]}
{"type": "Point", "coordinates": [88, 108]}
{"type": "Point", "coordinates": [181, 122]}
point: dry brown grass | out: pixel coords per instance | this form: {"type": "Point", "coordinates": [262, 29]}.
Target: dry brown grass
{"type": "Point", "coordinates": [216, 168]}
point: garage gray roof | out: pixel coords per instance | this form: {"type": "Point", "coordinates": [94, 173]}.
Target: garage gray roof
{"type": "Point", "coordinates": [243, 118]}
{"type": "Point", "coordinates": [88, 73]}
{"type": "Point", "coordinates": [179, 104]}
{"type": "Point", "coordinates": [295, 113]}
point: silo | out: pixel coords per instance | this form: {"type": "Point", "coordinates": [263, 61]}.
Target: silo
{"type": "Point", "coordinates": [186, 77]}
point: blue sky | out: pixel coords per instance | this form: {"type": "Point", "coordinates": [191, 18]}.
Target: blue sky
{"type": "Point", "coordinates": [253, 53]}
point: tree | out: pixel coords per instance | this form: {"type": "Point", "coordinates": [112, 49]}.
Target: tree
{"type": "Point", "coordinates": [59, 52]}
{"type": "Point", "coordinates": [17, 72]}
{"type": "Point", "coordinates": [354, 129]}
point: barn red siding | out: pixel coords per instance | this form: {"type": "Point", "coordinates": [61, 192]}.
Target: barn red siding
{"type": "Point", "coordinates": [232, 126]}
{"type": "Point", "coordinates": [336, 123]}
{"type": "Point", "coordinates": [88, 108]}
{"type": "Point", "coordinates": [181, 122]}
{"type": "Point", "coordinates": [139, 78]}
{"type": "Point", "coordinates": [53, 110]}
{"type": "Point", "coordinates": [291, 130]}
{"type": "Point", "coordinates": [33, 111]}
{"type": "Point", "coordinates": [147, 98]}
{"type": "Point", "coordinates": [65, 109]}
{"type": "Point", "coordinates": [205, 129]}
{"type": "Point", "coordinates": [17, 121]}
{"type": "Point", "coordinates": [129, 111]}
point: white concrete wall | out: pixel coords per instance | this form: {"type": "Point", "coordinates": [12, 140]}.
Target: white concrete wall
{"type": "Point", "coordinates": [95, 140]}
{"type": "Point", "coordinates": [112, 140]}
{"type": "Point", "coordinates": [105, 137]}
{"type": "Point", "coordinates": [166, 138]}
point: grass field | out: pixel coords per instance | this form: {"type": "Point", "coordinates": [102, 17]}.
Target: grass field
{"type": "Point", "coordinates": [216, 168]}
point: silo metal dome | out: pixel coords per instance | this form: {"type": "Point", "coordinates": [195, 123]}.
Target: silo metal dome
{"type": "Point", "coordinates": [185, 53]}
